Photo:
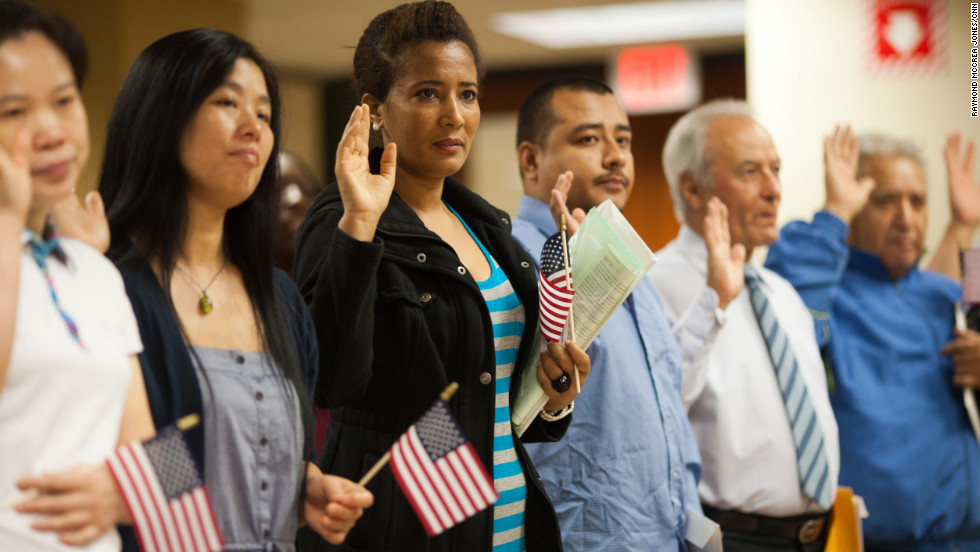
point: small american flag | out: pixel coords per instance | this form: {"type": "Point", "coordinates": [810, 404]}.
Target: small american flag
{"type": "Point", "coordinates": [971, 276]}
{"type": "Point", "coordinates": [555, 298]}
{"type": "Point", "coordinates": [439, 471]}
{"type": "Point", "coordinates": [169, 505]}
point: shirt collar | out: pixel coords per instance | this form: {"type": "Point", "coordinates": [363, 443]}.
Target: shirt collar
{"type": "Point", "coordinates": [537, 213]}
{"type": "Point", "coordinates": [870, 264]}
{"type": "Point", "coordinates": [692, 246]}
{"type": "Point", "coordinates": [42, 247]}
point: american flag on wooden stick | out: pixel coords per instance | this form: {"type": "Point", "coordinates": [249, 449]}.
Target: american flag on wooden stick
{"type": "Point", "coordinates": [439, 472]}
{"type": "Point", "coordinates": [168, 503]}
{"type": "Point", "coordinates": [555, 297]}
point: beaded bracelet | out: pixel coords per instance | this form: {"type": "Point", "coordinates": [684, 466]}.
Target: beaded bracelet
{"type": "Point", "coordinates": [558, 414]}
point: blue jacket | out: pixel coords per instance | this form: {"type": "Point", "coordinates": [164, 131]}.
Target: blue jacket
{"type": "Point", "coordinates": [906, 443]}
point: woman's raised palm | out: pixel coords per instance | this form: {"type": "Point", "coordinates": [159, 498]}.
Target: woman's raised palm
{"type": "Point", "coordinates": [365, 195]}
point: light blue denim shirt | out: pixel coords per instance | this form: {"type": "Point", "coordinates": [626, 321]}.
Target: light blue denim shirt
{"type": "Point", "coordinates": [626, 471]}
{"type": "Point", "coordinates": [253, 452]}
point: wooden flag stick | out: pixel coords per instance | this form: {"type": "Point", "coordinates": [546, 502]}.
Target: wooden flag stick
{"type": "Point", "coordinates": [568, 286]}
{"type": "Point", "coordinates": [183, 424]}
{"type": "Point", "coordinates": [446, 394]}
{"type": "Point", "coordinates": [188, 422]}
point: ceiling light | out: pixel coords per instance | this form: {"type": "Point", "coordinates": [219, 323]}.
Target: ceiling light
{"type": "Point", "coordinates": [636, 23]}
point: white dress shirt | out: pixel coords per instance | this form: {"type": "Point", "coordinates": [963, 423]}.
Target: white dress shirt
{"type": "Point", "coordinates": [734, 402]}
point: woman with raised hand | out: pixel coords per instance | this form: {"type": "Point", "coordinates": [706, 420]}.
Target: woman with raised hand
{"type": "Point", "coordinates": [191, 197]}
{"type": "Point", "coordinates": [414, 282]}
{"type": "Point", "coordinates": [71, 389]}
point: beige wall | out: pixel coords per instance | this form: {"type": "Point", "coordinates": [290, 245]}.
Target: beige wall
{"type": "Point", "coordinates": [492, 169]}
{"type": "Point", "coordinates": [303, 119]}
{"type": "Point", "coordinates": [805, 73]}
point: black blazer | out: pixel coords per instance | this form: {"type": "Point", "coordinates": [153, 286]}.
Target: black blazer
{"type": "Point", "coordinates": [397, 320]}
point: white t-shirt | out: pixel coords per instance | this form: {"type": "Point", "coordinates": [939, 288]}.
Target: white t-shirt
{"type": "Point", "coordinates": [62, 402]}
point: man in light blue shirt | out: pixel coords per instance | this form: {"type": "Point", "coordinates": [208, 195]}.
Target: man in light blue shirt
{"type": "Point", "coordinates": [625, 475]}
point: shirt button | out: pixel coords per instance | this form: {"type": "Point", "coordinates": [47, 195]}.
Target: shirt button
{"type": "Point", "coordinates": [461, 269]}
{"type": "Point", "coordinates": [240, 359]}
{"type": "Point", "coordinates": [264, 485]}
{"type": "Point", "coordinates": [258, 395]}
{"type": "Point", "coordinates": [263, 441]}
{"type": "Point", "coordinates": [267, 533]}
{"type": "Point", "coordinates": [420, 257]}
{"type": "Point", "coordinates": [674, 474]}
{"type": "Point", "coordinates": [525, 264]}
{"type": "Point", "coordinates": [486, 378]}
{"type": "Point", "coordinates": [425, 297]}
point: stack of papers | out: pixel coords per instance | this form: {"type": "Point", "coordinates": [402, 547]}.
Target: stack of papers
{"type": "Point", "coordinates": [609, 259]}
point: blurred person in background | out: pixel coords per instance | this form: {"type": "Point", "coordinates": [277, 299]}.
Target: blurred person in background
{"type": "Point", "coordinates": [298, 186]}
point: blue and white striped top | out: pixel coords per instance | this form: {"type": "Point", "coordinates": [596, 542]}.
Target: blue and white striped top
{"type": "Point", "coordinates": [507, 316]}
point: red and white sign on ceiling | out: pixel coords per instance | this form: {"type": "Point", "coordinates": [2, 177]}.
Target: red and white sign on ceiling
{"type": "Point", "coordinates": [906, 37]}
{"type": "Point", "coordinates": [654, 79]}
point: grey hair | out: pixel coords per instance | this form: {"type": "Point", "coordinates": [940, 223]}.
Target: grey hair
{"type": "Point", "coordinates": [874, 144]}
{"type": "Point", "coordinates": [685, 151]}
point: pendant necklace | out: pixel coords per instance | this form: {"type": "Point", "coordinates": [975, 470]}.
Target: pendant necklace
{"type": "Point", "coordinates": [205, 303]}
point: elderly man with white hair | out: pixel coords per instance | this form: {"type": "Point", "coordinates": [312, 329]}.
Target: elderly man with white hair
{"type": "Point", "coordinates": [759, 406]}
{"type": "Point", "coordinates": [886, 328]}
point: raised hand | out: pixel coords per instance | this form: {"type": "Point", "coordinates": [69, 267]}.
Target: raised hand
{"type": "Point", "coordinates": [558, 204]}
{"type": "Point", "coordinates": [15, 180]}
{"type": "Point", "coordinates": [87, 224]}
{"type": "Point", "coordinates": [846, 195]}
{"type": "Point", "coordinates": [726, 262]}
{"type": "Point", "coordinates": [964, 196]}
{"type": "Point", "coordinates": [365, 195]}
{"type": "Point", "coordinates": [333, 504]}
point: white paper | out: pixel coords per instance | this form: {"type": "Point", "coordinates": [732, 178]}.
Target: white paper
{"type": "Point", "coordinates": [703, 534]}
{"type": "Point", "coordinates": [609, 259]}
{"type": "Point", "coordinates": [969, 397]}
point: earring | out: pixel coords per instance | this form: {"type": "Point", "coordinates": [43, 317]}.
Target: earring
{"type": "Point", "coordinates": [375, 126]}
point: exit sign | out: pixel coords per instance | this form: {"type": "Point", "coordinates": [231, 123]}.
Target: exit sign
{"type": "Point", "coordinates": [655, 79]}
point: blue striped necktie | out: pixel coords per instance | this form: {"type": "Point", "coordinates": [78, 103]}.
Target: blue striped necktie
{"type": "Point", "coordinates": [811, 455]}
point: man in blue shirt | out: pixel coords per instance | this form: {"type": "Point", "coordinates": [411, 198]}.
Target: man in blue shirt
{"type": "Point", "coordinates": [887, 330]}
{"type": "Point", "coordinates": [625, 475]}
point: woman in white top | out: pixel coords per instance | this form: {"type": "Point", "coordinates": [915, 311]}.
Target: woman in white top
{"type": "Point", "coordinates": [71, 388]}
